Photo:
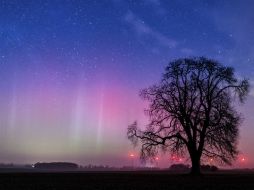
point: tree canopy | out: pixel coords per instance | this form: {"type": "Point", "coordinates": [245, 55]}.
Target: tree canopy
{"type": "Point", "coordinates": [191, 112]}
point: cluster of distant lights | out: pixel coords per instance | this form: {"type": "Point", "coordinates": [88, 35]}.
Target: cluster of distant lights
{"type": "Point", "coordinates": [173, 158]}
{"type": "Point", "coordinates": [242, 159]}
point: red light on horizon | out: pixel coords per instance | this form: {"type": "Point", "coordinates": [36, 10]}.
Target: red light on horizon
{"type": "Point", "coordinates": [176, 159]}
{"type": "Point", "coordinates": [132, 155]}
{"type": "Point", "coordinates": [242, 158]}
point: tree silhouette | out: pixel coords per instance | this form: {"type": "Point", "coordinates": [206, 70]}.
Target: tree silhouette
{"type": "Point", "coordinates": [191, 111]}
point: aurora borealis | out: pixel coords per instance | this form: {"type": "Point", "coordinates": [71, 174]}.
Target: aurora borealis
{"type": "Point", "coordinates": [71, 70]}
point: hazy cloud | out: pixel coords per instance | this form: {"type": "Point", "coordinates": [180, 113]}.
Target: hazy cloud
{"type": "Point", "coordinates": [142, 29]}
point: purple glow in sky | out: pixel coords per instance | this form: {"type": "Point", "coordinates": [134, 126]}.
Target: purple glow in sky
{"type": "Point", "coordinates": [71, 71]}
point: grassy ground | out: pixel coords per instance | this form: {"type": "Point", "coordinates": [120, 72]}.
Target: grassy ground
{"type": "Point", "coordinates": [123, 180]}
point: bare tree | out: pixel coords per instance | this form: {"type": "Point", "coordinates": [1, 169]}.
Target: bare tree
{"type": "Point", "coordinates": [191, 112]}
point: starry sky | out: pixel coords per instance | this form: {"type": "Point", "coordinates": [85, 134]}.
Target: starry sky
{"type": "Point", "coordinates": [71, 70]}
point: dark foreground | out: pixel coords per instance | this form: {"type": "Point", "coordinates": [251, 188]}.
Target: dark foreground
{"type": "Point", "coordinates": [123, 180]}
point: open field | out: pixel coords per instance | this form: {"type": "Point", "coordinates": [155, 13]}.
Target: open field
{"type": "Point", "coordinates": [124, 180]}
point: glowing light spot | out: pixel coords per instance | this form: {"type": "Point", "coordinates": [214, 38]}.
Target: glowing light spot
{"type": "Point", "coordinates": [242, 159]}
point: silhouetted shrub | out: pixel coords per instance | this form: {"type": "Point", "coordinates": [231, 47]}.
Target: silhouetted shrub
{"type": "Point", "coordinates": [180, 167]}
{"type": "Point", "coordinates": [209, 168]}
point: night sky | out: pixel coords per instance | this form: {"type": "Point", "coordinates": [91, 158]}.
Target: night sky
{"type": "Point", "coordinates": [71, 71]}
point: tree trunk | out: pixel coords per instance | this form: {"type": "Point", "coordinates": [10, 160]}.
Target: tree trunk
{"type": "Point", "coordinates": [195, 161]}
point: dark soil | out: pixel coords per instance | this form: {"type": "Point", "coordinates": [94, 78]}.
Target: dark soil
{"type": "Point", "coordinates": [123, 180]}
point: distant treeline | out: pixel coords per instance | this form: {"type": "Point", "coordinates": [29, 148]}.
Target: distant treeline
{"type": "Point", "coordinates": [56, 165]}
{"type": "Point", "coordinates": [183, 168]}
